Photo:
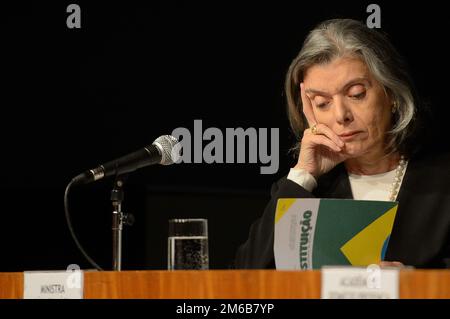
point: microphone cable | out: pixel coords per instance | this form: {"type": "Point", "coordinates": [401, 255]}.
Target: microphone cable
{"type": "Point", "coordinates": [72, 233]}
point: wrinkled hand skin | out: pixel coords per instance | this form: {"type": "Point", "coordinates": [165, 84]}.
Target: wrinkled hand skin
{"type": "Point", "coordinates": [391, 264]}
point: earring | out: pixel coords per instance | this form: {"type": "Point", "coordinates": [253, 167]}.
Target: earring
{"type": "Point", "coordinates": [394, 107]}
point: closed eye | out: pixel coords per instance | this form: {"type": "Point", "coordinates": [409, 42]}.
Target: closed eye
{"type": "Point", "coordinates": [321, 105]}
{"type": "Point", "coordinates": [358, 96]}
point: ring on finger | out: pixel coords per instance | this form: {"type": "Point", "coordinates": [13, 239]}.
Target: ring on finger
{"type": "Point", "coordinates": [314, 129]}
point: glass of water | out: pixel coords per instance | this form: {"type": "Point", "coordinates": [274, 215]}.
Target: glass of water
{"type": "Point", "coordinates": [188, 244]}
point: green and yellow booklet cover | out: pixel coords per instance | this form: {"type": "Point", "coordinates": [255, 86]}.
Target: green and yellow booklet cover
{"type": "Point", "coordinates": [311, 233]}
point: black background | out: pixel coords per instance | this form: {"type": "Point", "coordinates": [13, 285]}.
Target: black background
{"type": "Point", "coordinates": [74, 98]}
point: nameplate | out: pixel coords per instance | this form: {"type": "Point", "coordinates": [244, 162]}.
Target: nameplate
{"type": "Point", "coordinates": [53, 285]}
{"type": "Point", "coordinates": [370, 282]}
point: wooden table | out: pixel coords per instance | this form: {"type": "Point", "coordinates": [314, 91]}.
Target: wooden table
{"type": "Point", "coordinates": [226, 284]}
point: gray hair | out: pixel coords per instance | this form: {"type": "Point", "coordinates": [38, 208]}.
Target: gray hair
{"type": "Point", "coordinates": [345, 37]}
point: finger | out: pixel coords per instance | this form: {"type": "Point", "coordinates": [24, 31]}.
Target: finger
{"type": "Point", "coordinates": [323, 140]}
{"type": "Point", "coordinates": [325, 130]}
{"type": "Point", "coordinates": [397, 264]}
{"type": "Point", "coordinates": [307, 106]}
{"type": "Point", "coordinates": [391, 264]}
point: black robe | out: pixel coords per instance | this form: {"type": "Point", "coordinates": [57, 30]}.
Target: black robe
{"type": "Point", "coordinates": [421, 232]}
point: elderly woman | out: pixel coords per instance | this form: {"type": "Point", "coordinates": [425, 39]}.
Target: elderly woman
{"type": "Point", "coordinates": [352, 107]}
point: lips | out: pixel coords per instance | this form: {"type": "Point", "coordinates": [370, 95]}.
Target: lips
{"type": "Point", "coordinates": [349, 135]}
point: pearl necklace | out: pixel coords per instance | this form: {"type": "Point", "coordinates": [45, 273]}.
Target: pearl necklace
{"type": "Point", "coordinates": [399, 171]}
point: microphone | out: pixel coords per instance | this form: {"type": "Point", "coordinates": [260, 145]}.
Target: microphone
{"type": "Point", "coordinates": [159, 152]}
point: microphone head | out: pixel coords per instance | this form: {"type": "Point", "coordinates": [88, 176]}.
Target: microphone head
{"type": "Point", "coordinates": [166, 145]}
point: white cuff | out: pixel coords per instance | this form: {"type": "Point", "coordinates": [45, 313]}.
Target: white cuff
{"type": "Point", "coordinates": [302, 178]}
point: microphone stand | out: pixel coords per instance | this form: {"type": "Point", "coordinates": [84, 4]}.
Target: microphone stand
{"type": "Point", "coordinates": [118, 220]}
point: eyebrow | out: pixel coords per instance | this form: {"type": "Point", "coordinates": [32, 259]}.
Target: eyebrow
{"type": "Point", "coordinates": [346, 86]}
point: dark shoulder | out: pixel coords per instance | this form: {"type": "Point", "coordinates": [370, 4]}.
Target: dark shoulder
{"type": "Point", "coordinates": [429, 172]}
{"type": "Point", "coordinates": [431, 162]}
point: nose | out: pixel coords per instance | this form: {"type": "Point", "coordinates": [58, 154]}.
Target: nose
{"type": "Point", "coordinates": [342, 112]}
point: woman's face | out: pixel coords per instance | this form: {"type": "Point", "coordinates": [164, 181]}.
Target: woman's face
{"type": "Point", "coordinates": [346, 98]}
